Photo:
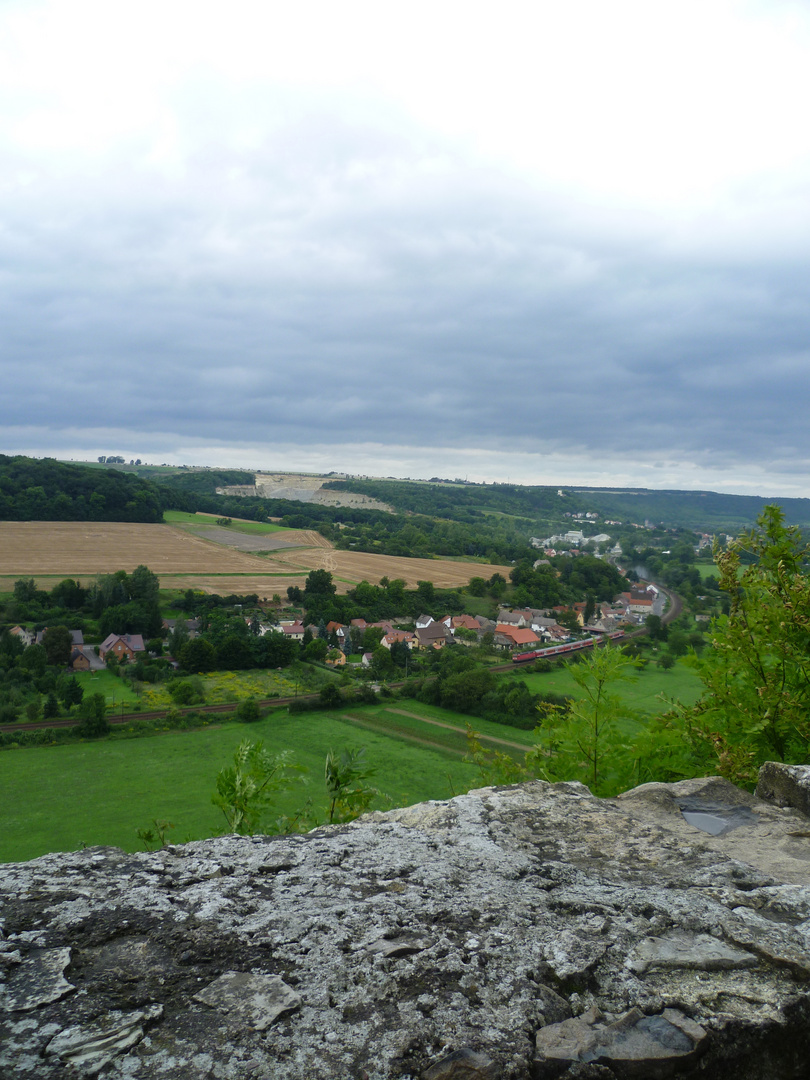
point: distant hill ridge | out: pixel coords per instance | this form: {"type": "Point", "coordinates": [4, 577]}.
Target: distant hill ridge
{"type": "Point", "coordinates": [48, 490]}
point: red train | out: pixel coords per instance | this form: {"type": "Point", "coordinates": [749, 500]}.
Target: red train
{"type": "Point", "coordinates": [568, 647]}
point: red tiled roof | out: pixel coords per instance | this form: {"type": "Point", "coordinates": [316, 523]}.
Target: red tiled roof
{"type": "Point", "coordinates": [520, 635]}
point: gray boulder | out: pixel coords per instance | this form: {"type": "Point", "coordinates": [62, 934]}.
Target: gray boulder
{"type": "Point", "coordinates": [524, 932]}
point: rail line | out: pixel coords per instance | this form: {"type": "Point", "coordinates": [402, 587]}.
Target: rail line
{"type": "Point", "coordinates": [558, 653]}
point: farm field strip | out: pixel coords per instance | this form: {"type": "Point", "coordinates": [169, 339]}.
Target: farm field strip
{"type": "Point", "coordinates": [47, 550]}
{"type": "Point", "coordinates": [74, 548]}
{"type": "Point", "coordinates": [394, 730]}
{"type": "Point", "coordinates": [364, 566]}
{"type": "Point", "coordinates": [239, 541]}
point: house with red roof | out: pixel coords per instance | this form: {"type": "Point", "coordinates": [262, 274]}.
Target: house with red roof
{"type": "Point", "coordinates": [121, 645]}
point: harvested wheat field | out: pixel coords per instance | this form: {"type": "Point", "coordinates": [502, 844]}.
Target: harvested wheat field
{"type": "Point", "coordinates": [79, 548]}
{"type": "Point", "coordinates": [357, 566]}
{"type": "Point", "coordinates": [50, 551]}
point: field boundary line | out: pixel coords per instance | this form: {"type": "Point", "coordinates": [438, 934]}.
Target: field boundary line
{"type": "Point", "coordinates": [380, 729]}
{"type": "Point", "coordinates": [452, 727]}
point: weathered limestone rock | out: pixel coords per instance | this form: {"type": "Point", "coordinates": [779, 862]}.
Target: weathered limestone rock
{"type": "Point", "coordinates": [37, 982]}
{"type": "Point", "coordinates": [92, 1047]}
{"type": "Point", "coordinates": [785, 785]}
{"type": "Point", "coordinates": [252, 1001]}
{"type": "Point", "coordinates": [517, 933]}
{"type": "Point", "coordinates": [651, 1047]}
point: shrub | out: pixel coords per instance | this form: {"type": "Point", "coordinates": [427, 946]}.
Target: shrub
{"type": "Point", "coordinates": [248, 711]}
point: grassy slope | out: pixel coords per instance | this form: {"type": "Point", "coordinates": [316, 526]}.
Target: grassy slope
{"type": "Point", "coordinates": [57, 798]}
{"type": "Point", "coordinates": [643, 695]}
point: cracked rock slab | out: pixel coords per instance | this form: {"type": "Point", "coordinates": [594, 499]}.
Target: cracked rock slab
{"type": "Point", "coordinates": [691, 951]}
{"type": "Point", "coordinates": [540, 933]}
{"type": "Point", "coordinates": [91, 1046]}
{"type": "Point", "coordinates": [634, 1045]}
{"type": "Point", "coordinates": [36, 980]}
{"type": "Point", "coordinates": [254, 1001]}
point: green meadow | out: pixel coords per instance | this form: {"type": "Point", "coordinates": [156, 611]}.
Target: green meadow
{"type": "Point", "coordinates": [261, 528]}
{"type": "Point", "coordinates": [58, 798]}
{"type": "Point", "coordinates": [114, 689]}
{"type": "Point", "coordinates": [645, 693]}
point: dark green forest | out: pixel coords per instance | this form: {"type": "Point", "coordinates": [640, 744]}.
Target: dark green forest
{"type": "Point", "coordinates": [47, 490]}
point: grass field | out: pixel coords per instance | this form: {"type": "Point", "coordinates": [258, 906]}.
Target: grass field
{"type": "Point", "coordinates": [707, 570]}
{"type": "Point", "coordinates": [242, 525]}
{"type": "Point", "coordinates": [114, 689]}
{"type": "Point", "coordinates": [643, 695]}
{"type": "Point", "coordinates": [58, 798]}
{"type": "Point", "coordinates": [231, 686]}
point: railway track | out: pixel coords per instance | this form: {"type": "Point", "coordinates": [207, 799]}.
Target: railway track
{"type": "Point", "coordinates": [127, 717]}
{"type": "Point", "coordinates": [674, 610]}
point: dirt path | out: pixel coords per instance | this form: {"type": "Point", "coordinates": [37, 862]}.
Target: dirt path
{"type": "Point", "coordinates": [380, 729]}
{"type": "Point", "coordinates": [452, 727]}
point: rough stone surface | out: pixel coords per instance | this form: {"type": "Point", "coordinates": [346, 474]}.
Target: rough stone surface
{"type": "Point", "coordinates": [93, 1046]}
{"type": "Point", "coordinates": [252, 1001]}
{"type": "Point", "coordinates": [785, 785]}
{"type": "Point", "coordinates": [511, 933]}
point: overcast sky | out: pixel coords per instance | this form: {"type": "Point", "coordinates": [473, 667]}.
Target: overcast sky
{"type": "Point", "coordinates": [543, 242]}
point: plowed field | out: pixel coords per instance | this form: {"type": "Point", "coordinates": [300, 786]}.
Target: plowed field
{"type": "Point", "coordinates": [51, 551]}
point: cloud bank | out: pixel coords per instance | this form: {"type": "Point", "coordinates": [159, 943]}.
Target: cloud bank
{"type": "Point", "coordinates": [548, 246]}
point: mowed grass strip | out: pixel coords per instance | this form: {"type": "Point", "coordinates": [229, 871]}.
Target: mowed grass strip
{"type": "Point", "coordinates": [411, 729]}
{"type": "Point", "coordinates": [429, 724]}
{"type": "Point", "coordinates": [489, 729]}
{"type": "Point", "coordinates": [59, 798]}
{"type": "Point", "coordinates": [243, 525]}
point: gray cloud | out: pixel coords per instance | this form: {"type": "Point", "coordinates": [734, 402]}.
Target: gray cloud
{"type": "Point", "coordinates": [344, 277]}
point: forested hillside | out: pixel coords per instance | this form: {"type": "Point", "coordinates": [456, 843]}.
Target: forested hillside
{"type": "Point", "coordinates": [48, 490]}
{"type": "Point", "coordinates": [707, 511]}
{"type": "Point", "coordinates": [491, 521]}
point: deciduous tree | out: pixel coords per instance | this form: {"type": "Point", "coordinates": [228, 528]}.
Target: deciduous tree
{"type": "Point", "coordinates": [580, 741]}
{"type": "Point", "coordinates": [756, 700]}
{"type": "Point", "coordinates": [57, 642]}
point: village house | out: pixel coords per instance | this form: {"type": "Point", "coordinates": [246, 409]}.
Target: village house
{"type": "Point", "coordinates": [398, 635]}
{"type": "Point", "coordinates": [515, 618]}
{"type": "Point", "coordinates": [121, 645]}
{"type": "Point", "coordinates": [460, 622]}
{"type": "Point", "coordinates": [79, 661]}
{"type": "Point", "coordinates": [434, 636]}
{"type": "Point", "coordinates": [512, 637]}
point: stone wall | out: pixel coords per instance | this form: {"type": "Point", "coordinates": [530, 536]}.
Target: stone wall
{"type": "Point", "coordinates": [524, 932]}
